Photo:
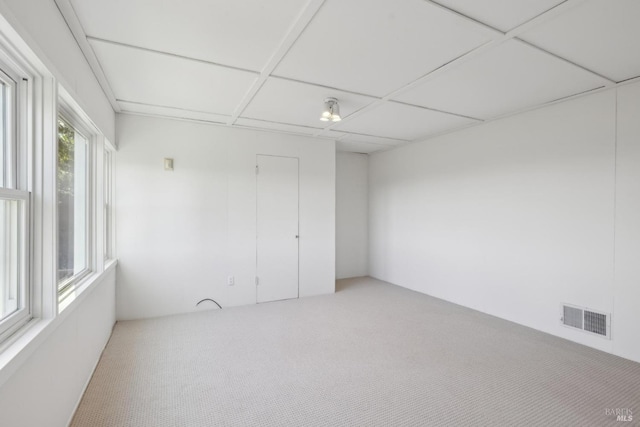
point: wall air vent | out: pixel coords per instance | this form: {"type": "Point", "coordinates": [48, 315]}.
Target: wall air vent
{"type": "Point", "coordinates": [595, 322]}
{"type": "Point", "coordinates": [586, 320]}
{"type": "Point", "coordinates": [572, 316]}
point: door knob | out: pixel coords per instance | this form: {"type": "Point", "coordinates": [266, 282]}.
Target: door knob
{"type": "Point", "coordinates": [297, 236]}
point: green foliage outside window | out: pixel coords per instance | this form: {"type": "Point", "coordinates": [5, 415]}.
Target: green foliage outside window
{"type": "Point", "coordinates": [65, 158]}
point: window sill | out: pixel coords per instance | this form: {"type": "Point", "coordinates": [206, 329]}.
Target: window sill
{"type": "Point", "coordinates": [24, 343]}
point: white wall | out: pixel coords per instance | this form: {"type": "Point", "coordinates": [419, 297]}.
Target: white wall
{"type": "Point", "coordinates": [352, 215]}
{"type": "Point", "coordinates": [515, 217]}
{"type": "Point", "coordinates": [627, 227]}
{"type": "Point", "coordinates": [42, 385]}
{"type": "Point", "coordinates": [181, 233]}
{"type": "Point", "coordinates": [49, 385]}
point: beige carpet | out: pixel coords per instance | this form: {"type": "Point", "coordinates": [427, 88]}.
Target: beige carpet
{"type": "Point", "coordinates": [373, 354]}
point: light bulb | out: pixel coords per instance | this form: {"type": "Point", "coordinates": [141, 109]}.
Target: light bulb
{"type": "Point", "coordinates": [331, 110]}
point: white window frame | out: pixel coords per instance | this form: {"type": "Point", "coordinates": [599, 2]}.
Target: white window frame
{"type": "Point", "coordinates": [22, 314]}
{"type": "Point", "coordinates": [15, 185]}
{"type": "Point", "coordinates": [69, 287]}
{"type": "Point", "coordinates": [33, 173]}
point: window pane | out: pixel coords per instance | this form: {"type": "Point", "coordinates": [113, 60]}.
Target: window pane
{"type": "Point", "coordinates": [72, 202]}
{"type": "Point", "coordinates": [10, 256]}
{"type": "Point", "coordinates": [107, 204]}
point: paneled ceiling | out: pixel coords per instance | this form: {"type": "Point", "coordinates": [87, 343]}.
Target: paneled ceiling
{"type": "Point", "coordinates": [402, 70]}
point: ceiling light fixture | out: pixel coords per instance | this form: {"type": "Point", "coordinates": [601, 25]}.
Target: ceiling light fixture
{"type": "Point", "coordinates": [331, 111]}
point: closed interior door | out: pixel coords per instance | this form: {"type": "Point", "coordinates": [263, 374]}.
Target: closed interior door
{"type": "Point", "coordinates": [277, 228]}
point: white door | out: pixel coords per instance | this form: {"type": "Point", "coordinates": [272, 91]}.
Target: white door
{"type": "Point", "coordinates": [277, 228]}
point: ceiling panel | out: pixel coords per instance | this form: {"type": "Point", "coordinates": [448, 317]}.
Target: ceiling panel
{"type": "Point", "coordinates": [601, 35]}
{"type": "Point", "coordinates": [503, 15]}
{"type": "Point", "coordinates": [506, 78]}
{"type": "Point", "coordinates": [399, 121]}
{"type": "Point", "coordinates": [351, 48]}
{"type": "Point", "coordinates": [359, 147]}
{"type": "Point", "coordinates": [283, 127]}
{"type": "Point", "coordinates": [301, 104]}
{"type": "Point", "coordinates": [377, 46]}
{"type": "Point", "coordinates": [332, 134]}
{"type": "Point", "coordinates": [356, 137]}
{"type": "Point", "coordinates": [133, 107]}
{"type": "Point", "coordinates": [239, 33]}
{"type": "Point", "coordinates": [158, 79]}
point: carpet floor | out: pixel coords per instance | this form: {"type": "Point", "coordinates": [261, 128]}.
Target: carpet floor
{"type": "Point", "coordinates": [372, 354]}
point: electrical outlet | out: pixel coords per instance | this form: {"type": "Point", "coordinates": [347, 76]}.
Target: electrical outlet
{"type": "Point", "coordinates": [230, 281]}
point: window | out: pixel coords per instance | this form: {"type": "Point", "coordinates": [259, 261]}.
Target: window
{"type": "Point", "coordinates": [108, 204]}
{"type": "Point", "coordinates": [8, 146]}
{"type": "Point", "coordinates": [73, 197]}
{"type": "Point", "coordinates": [14, 211]}
{"type": "Point", "coordinates": [13, 258]}
{"type": "Point", "coordinates": [51, 192]}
